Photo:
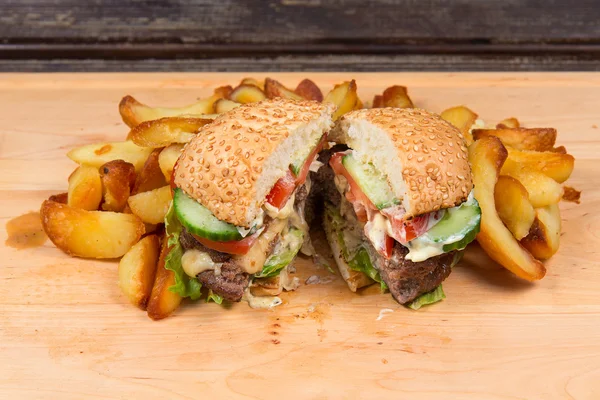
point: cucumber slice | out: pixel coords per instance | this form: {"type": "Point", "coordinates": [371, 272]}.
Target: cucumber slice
{"type": "Point", "coordinates": [298, 163]}
{"type": "Point", "coordinates": [371, 182]}
{"type": "Point", "coordinates": [458, 227]}
{"type": "Point", "coordinates": [198, 220]}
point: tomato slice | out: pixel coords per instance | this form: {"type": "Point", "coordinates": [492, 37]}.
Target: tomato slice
{"type": "Point", "coordinates": [239, 247]}
{"type": "Point", "coordinates": [406, 230]}
{"type": "Point", "coordinates": [389, 247]}
{"type": "Point", "coordinates": [301, 178]}
{"type": "Point", "coordinates": [282, 190]}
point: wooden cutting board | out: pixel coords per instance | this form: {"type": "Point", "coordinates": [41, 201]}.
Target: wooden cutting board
{"type": "Point", "coordinates": [66, 331]}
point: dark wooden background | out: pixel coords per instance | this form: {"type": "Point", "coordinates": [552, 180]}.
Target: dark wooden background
{"type": "Point", "coordinates": [361, 35]}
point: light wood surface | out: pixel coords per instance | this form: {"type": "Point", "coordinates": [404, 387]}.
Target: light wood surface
{"type": "Point", "coordinates": [66, 331]}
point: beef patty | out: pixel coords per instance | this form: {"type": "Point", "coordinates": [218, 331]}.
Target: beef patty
{"type": "Point", "coordinates": [408, 280]}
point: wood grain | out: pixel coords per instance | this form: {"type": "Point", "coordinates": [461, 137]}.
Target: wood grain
{"type": "Point", "coordinates": [67, 332]}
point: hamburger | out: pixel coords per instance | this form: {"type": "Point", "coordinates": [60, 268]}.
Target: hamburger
{"type": "Point", "coordinates": [239, 189]}
{"type": "Point", "coordinates": [399, 204]}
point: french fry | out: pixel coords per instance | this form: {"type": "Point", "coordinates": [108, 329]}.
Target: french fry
{"type": "Point", "coordinates": [542, 189]}
{"type": "Point", "coordinates": [162, 301]}
{"type": "Point", "coordinates": [463, 118]}
{"type": "Point", "coordinates": [487, 156]}
{"type": "Point", "coordinates": [397, 97]}
{"type": "Point", "coordinates": [275, 89]}
{"type": "Point", "coordinates": [118, 177]}
{"type": "Point", "coordinates": [167, 159]}
{"type": "Point", "coordinates": [571, 194]}
{"type": "Point", "coordinates": [247, 94]}
{"type": "Point", "coordinates": [90, 234]}
{"type": "Point", "coordinates": [85, 188]}
{"type": "Point", "coordinates": [309, 90]}
{"type": "Point", "coordinates": [538, 139]}
{"type": "Point", "coordinates": [377, 101]}
{"type": "Point", "coordinates": [224, 105]}
{"type": "Point", "coordinates": [559, 149]}
{"type": "Point", "coordinates": [344, 96]}
{"type": "Point", "coordinates": [255, 82]}
{"type": "Point", "coordinates": [134, 113]}
{"type": "Point", "coordinates": [137, 270]}
{"type": "Point", "coordinates": [555, 165]}
{"type": "Point", "coordinates": [62, 198]}
{"type": "Point", "coordinates": [162, 132]}
{"type": "Point", "coordinates": [151, 206]}
{"type": "Point", "coordinates": [150, 176]}
{"type": "Point", "coordinates": [543, 239]}
{"type": "Point", "coordinates": [99, 154]}
{"type": "Point", "coordinates": [513, 206]}
{"type": "Point", "coordinates": [508, 123]}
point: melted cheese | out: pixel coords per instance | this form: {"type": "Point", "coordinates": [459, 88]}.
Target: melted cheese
{"type": "Point", "coordinates": [253, 261]}
{"type": "Point", "coordinates": [195, 262]}
{"type": "Point", "coordinates": [282, 213]}
{"type": "Point", "coordinates": [267, 302]}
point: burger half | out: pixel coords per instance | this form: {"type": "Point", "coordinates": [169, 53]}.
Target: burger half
{"type": "Point", "coordinates": [237, 218]}
{"type": "Point", "coordinates": [401, 206]}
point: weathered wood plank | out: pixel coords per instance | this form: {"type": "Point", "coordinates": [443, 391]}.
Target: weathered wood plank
{"type": "Point", "coordinates": [317, 63]}
{"type": "Point", "coordinates": [299, 21]}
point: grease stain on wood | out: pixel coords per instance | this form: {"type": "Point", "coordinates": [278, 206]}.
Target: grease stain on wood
{"type": "Point", "coordinates": [25, 231]}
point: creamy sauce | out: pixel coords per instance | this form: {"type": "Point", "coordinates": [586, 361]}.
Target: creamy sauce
{"type": "Point", "coordinates": [287, 282]}
{"type": "Point", "coordinates": [195, 262]}
{"type": "Point", "coordinates": [253, 261]}
{"type": "Point", "coordinates": [422, 248]}
{"type": "Point", "coordinates": [265, 302]}
{"type": "Point", "coordinates": [256, 224]}
{"type": "Point", "coordinates": [25, 231]}
{"type": "Point", "coordinates": [282, 213]}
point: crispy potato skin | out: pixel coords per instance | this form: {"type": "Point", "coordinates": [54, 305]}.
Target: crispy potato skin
{"type": "Point", "coordinates": [513, 206]}
{"type": "Point", "coordinates": [309, 90]}
{"type": "Point", "coordinates": [463, 118]}
{"type": "Point", "coordinates": [538, 139]}
{"type": "Point", "coordinates": [118, 177]}
{"type": "Point", "coordinates": [245, 93]}
{"type": "Point", "coordinates": [162, 301]}
{"type": "Point", "coordinates": [137, 270]}
{"type": "Point", "coordinates": [274, 89]}
{"type": "Point", "coordinates": [85, 188]}
{"type": "Point", "coordinates": [487, 156]}
{"type": "Point", "coordinates": [345, 97]}
{"type": "Point", "coordinates": [542, 189]}
{"type": "Point", "coordinates": [90, 234]}
{"type": "Point", "coordinates": [98, 154]}
{"type": "Point", "coordinates": [224, 105]}
{"type": "Point", "coordinates": [150, 176]}
{"type": "Point", "coordinates": [543, 239]}
{"type": "Point", "coordinates": [167, 159]}
{"type": "Point", "coordinates": [162, 132]}
{"type": "Point", "coordinates": [151, 206]}
{"type": "Point", "coordinates": [555, 165]}
{"type": "Point", "coordinates": [511, 122]}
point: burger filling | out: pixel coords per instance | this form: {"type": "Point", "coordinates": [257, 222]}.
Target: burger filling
{"type": "Point", "coordinates": [409, 256]}
{"type": "Point", "coordinates": [234, 262]}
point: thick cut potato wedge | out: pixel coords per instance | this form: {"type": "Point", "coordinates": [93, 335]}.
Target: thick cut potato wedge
{"type": "Point", "coordinates": [397, 97]}
{"type": "Point", "coordinates": [62, 198]}
{"type": "Point", "coordinates": [85, 188]}
{"type": "Point", "coordinates": [463, 118]}
{"type": "Point", "coordinates": [224, 105]}
{"type": "Point", "coordinates": [247, 94]}
{"type": "Point", "coordinates": [544, 237]}
{"type": "Point", "coordinates": [377, 101]}
{"type": "Point", "coordinates": [134, 113]}
{"type": "Point", "coordinates": [151, 206]}
{"type": "Point", "coordinates": [508, 123]}
{"type": "Point", "coordinates": [162, 301]}
{"type": "Point", "coordinates": [513, 206]}
{"type": "Point", "coordinates": [118, 177]}
{"type": "Point", "coordinates": [90, 234]}
{"type": "Point", "coordinates": [253, 81]}
{"type": "Point", "coordinates": [344, 96]}
{"type": "Point", "coordinates": [150, 176]}
{"type": "Point", "coordinates": [538, 139]}
{"type": "Point", "coordinates": [486, 157]}
{"type": "Point", "coordinates": [167, 159]}
{"type": "Point", "coordinates": [571, 194]}
{"type": "Point", "coordinates": [275, 89]}
{"type": "Point", "coordinates": [137, 270]}
{"type": "Point", "coordinates": [162, 132]}
{"type": "Point", "coordinates": [559, 149]}
{"type": "Point", "coordinates": [309, 90]}
{"type": "Point", "coordinates": [98, 154]}
{"type": "Point", "coordinates": [555, 165]}
{"type": "Point", "coordinates": [542, 189]}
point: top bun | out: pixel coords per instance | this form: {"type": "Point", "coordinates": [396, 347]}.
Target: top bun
{"type": "Point", "coordinates": [234, 161]}
{"type": "Point", "coordinates": [423, 157]}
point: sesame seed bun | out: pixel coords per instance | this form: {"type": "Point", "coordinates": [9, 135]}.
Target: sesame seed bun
{"type": "Point", "coordinates": [234, 161]}
{"type": "Point", "coordinates": [423, 157]}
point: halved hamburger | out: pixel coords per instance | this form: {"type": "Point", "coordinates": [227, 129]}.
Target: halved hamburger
{"type": "Point", "coordinates": [239, 187]}
{"type": "Point", "coordinates": [401, 208]}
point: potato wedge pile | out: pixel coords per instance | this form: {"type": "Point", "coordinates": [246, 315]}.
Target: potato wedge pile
{"type": "Point", "coordinates": [119, 194]}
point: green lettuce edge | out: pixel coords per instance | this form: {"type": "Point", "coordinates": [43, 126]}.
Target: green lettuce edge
{"type": "Point", "coordinates": [434, 296]}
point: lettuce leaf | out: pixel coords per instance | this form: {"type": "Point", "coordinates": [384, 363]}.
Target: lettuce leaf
{"type": "Point", "coordinates": [428, 298]}
{"type": "Point", "coordinates": [184, 285]}
{"type": "Point", "coordinates": [282, 258]}
{"type": "Point", "coordinates": [212, 296]}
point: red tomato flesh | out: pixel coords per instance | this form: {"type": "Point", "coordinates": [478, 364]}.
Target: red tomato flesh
{"type": "Point", "coordinates": [301, 178]}
{"type": "Point", "coordinates": [238, 247]}
{"type": "Point", "coordinates": [282, 190]}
